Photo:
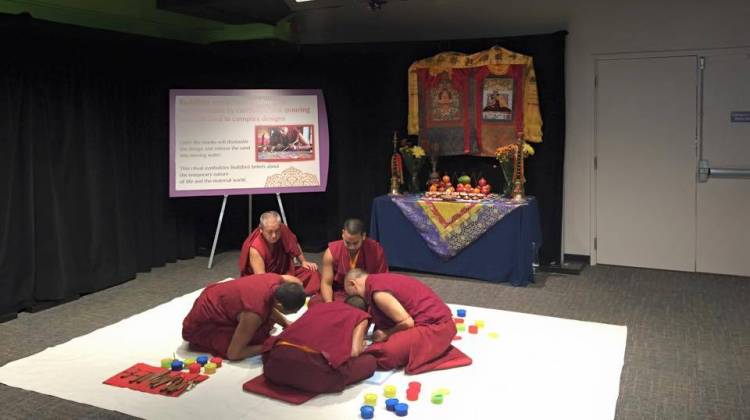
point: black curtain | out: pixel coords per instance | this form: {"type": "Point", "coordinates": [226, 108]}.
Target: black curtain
{"type": "Point", "coordinates": [84, 147]}
{"type": "Point", "coordinates": [83, 166]}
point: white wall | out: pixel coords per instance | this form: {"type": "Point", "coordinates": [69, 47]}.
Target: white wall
{"type": "Point", "coordinates": [595, 27]}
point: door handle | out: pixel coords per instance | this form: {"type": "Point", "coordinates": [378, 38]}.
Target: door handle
{"type": "Point", "coordinates": [705, 171]}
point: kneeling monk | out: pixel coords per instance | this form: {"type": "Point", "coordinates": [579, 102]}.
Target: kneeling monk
{"type": "Point", "coordinates": [413, 326]}
{"type": "Point", "coordinates": [232, 319]}
{"type": "Point", "coordinates": [354, 250]}
{"type": "Point", "coordinates": [271, 248]}
{"type": "Point", "coordinates": [321, 351]}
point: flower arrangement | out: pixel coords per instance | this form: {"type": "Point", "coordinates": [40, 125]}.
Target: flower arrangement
{"type": "Point", "coordinates": [507, 156]}
{"type": "Point", "coordinates": [506, 153]}
{"type": "Point", "coordinates": [414, 157]}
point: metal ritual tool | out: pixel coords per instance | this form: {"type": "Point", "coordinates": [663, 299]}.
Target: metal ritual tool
{"type": "Point", "coordinates": [174, 385]}
{"type": "Point", "coordinates": [129, 373]}
{"type": "Point", "coordinates": [160, 380]}
{"type": "Point", "coordinates": [142, 378]}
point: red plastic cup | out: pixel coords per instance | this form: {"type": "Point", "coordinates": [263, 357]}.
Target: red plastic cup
{"type": "Point", "coordinates": [195, 368]}
{"type": "Point", "coordinates": [473, 329]}
{"type": "Point", "coordinates": [458, 337]}
{"type": "Point", "coordinates": [458, 320]}
{"type": "Point", "coordinates": [415, 386]}
{"type": "Point", "coordinates": [412, 394]}
{"type": "Point", "coordinates": [217, 361]}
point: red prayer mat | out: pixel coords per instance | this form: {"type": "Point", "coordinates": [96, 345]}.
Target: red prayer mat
{"type": "Point", "coordinates": [452, 359]}
{"type": "Point", "coordinates": [129, 378]}
{"type": "Point", "coordinates": [259, 385]}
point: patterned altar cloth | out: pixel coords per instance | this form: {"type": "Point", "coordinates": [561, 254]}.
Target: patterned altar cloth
{"type": "Point", "coordinates": [450, 226]}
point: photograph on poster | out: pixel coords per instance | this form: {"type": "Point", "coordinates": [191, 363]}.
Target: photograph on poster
{"type": "Point", "coordinates": [280, 143]}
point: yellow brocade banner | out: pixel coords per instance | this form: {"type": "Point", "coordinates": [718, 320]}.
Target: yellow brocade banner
{"type": "Point", "coordinates": [472, 104]}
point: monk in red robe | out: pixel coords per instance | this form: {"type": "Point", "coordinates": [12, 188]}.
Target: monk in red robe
{"type": "Point", "coordinates": [232, 319]}
{"type": "Point", "coordinates": [413, 326]}
{"type": "Point", "coordinates": [354, 250]}
{"type": "Point", "coordinates": [272, 248]}
{"type": "Point", "coordinates": [322, 350]}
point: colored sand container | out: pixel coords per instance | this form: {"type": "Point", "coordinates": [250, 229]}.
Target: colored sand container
{"type": "Point", "coordinates": [194, 368]}
{"type": "Point", "coordinates": [458, 337]}
{"type": "Point", "coordinates": [401, 409]}
{"type": "Point", "coordinates": [412, 394]}
{"type": "Point", "coordinates": [461, 312]}
{"type": "Point", "coordinates": [176, 365]}
{"type": "Point", "coordinates": [209, 368]}
{"type": "Point", "coordinates": [366, 412]}
{"type": "Point", "coordinates": [444, 391]}
{"type": "Point", "coordinates": [167, 363]}
{"type": "Point", "coordinates": [473, 329]}
{"type": "Point", "coordinates": [479, 323]}
{"type": "Point", "coordinates": [415, 385]}
{"type": "Point", "coordinates": [437, 398]}
{"type": "Point", "coordinates": [371, 399]}
{"type": "Point", "coordinates": [390, 404]}
{"type": "Point", "coordinates": [461, 327]}
{"type": "Point", "coordinates": [389, 391]}
{"type": "Point", "coordinates": [202, 360]}
{"type": "Point", "coordinates": [458, 320]}
{"type": "Point", "coordinates": [188, 362]}
{"type": "Point", "coordinates": [217, 361]}
{"type": "Point", "coordinates": [492, 335]}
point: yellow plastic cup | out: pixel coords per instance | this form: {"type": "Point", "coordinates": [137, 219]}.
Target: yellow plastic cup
{"type": "Point", "coordinates": [371, 399]}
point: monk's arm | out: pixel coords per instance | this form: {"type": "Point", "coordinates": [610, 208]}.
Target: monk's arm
{"type": "Point", "coordinates": [256, 262]}
{"type": "Point", "coordinates": [279, 318]}
{"type": "Point", "coordinates": [358, 339]}
{"type": "Point", "coordinates": [239, 348]}
{"type": "Point", "coordinates": [303, 261]}
{"type": "Point", "coordinates": [393, 309]}
{"type": "Point", "coordinates": [326, 277]}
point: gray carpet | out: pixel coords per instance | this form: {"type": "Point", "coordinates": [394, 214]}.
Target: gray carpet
{"type": "Point", "coordinates": [687, 356]}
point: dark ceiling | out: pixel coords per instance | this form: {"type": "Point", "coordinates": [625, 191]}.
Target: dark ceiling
{"type": "Point", "coordinates": [255, 11]}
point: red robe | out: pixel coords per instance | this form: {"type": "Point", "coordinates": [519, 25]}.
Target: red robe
{"type": "Point", "coordinates": [426, 346]}
{"type": "Point", "coordinates": [371, 258]}
{"type": "Point", "coordinates": [278, 257]}
{"type": "Point", "coordinates": [314, 353]}
{"type": "Point", "coordinates": [210, 324]}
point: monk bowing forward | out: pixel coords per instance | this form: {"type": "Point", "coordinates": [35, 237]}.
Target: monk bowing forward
{"type": "Point", "coordinates": [322, 350]}
{"type": "Point", "coordinates": [354, 250]}
{"type": "Point", "coordinates": [413, 326]}
{"type": "Point", "coordinates": [272, 248]}
{"type": "Point", "coordinates": [233, 318]}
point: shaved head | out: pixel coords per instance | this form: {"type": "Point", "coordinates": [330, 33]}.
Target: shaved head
{"type": "Point", "coordinates": [354, 226]}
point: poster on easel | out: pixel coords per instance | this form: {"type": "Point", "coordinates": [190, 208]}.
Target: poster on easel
{"type": "Point", "coordinates": [231, 142]}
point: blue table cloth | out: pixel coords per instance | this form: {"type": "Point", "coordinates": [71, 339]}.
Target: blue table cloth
{"type": "Point", "coordinates": [505, 253]}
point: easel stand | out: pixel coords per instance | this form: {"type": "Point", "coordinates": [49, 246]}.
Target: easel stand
{"type": "Point", "coordinates": [249, 221]}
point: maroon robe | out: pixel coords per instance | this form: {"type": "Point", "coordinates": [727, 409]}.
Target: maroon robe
{"type": "Point", "coordinates": [210, 324]}
{"type": "Point", "coordinates": [371, 258]}
{"type": "Point", "coordinates": [314, 353]}
{"type": "Point", "coordinates": [427, 345]}
{"type": "Point", "coordinates": [278, 257]}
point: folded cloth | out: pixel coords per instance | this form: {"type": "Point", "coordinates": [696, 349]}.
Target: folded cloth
{"type": "Point", "coordinates": [260, 385]}
{"type": "Point", "coordinates": [126, 378]}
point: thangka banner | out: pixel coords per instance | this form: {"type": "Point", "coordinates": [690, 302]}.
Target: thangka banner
{"type": "Point", "coordinates": [473, 104]}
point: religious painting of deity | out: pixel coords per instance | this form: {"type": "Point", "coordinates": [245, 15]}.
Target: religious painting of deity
{"type": "Point", "coordinates": [284, 143]}
{"type": "Point", "coordinates": [445, 103]}
{"type": "Point", "coordinates": [497, 99]}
